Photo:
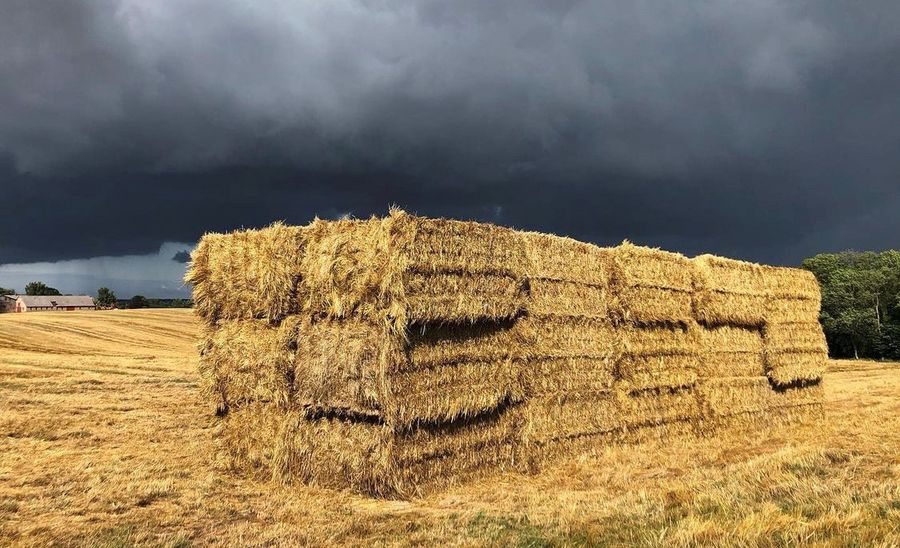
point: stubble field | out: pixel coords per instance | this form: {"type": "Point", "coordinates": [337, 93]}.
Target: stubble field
{"type": "Point", "coordinates": [103, 441]}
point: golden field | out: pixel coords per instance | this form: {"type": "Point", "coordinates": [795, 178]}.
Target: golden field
{"type": "Point", "coordinates": [104, 442]}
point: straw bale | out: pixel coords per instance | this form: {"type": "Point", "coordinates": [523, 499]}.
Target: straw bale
{"type": "Point", "coordinates": [246, 274]}
{"type": "Point", "coordinates": [789, 368]}
{"type": "Point", "coordinates": [656, 357]}
{"type": "Point", "coordinates": [440, 372]}
{"type": "Point", "coordinates": [450, 392]}
{"type": "Point", "coordinates": [250, 360]}
{"type": "Point", "coordinates": [795, 352]}
{"type": "Point", "coordinates": [791, 283]}
{"type": "Point", "coordinates": [558, 258]}
{"type": "Point", "coordinates": [566, 277]}
{"type": "Point", "coordinates": [245, 439]}
{"type": "Point", "coordinates": [787, 310]}
{"type": "Point", "coordinates": [432, 344]}
{"type": "Point", "coordinates": [403, 268]}
{"type": "Point", "coordinates": [447, 245]}
{"type": "Point", "coordinates": [567, 298]}
{"type": "Point", "coordinates": [212, 393]}
{"type": "Point", "coordinates": [662, 340]}
{"type": "Point", "coordinates": [646, 372]}
{"type": "Point", "coordinates": [459, 297]}
{"type": "Point", "coordinates": [768, 419]}
{"type": "Point", "coordinates": [638, 266]}
{"type": "Point", "coordinates": [543, 376]}
{"type": "Point", "coordinates": [372, 458]}
{"type": "Point", "coordinates": [650, 285]}
{"type": "Point", "coordinates": [795, 337]}
{"type": "Point", "coordinates": [568, 337]}
{"type": "Point", "coordinates": [731, 352]}
{"type": "Point", "coordinates": [729, 292]}
{"type": "Point", "coordinates": [535, 456]}
{"type": "Point", "coordinates": [564, 416]}
{"type": "Point", "coordinates": [726, 397]}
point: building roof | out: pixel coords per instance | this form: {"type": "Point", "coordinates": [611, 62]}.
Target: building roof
{"type": "Point", "coordinates": [46, 301]}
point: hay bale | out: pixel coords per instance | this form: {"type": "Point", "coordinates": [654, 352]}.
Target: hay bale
{"type": "Point", "coordinates": [438, 373]}
{"type": "Point", "coordinates": [731, 352]}
{"type": "Point", "coordinates": [651, 286]}
{"type": "Point", "coordinates": [568, 337]}
{"type": "Point", "coordinates": [788, 310]}
{"type": "Point", "coordinates": [734, 396]}
{"type": "Point", "coordinates": [789, 368]}
{"type": "Point", "coordinates": [567, 298]}
{"type": "Point", "coordinates": [769, 419]}
{"type": "Point", "coordinates": [729, 292]}
{"type": "Point", "coordinates": [794, 295]}
{"type": "Point", "coordinates": [795, 337]}
{"type": "Point", "coordinates": [403, 269]}
{"type": "Point", "coordinates": [664, 356]}
{"type": "Point", "coordinates": [791, 283]}
{"type": "Point", "coordinates": [248, 361]}
{"type": "Point", "coordinates": [566, 353]}
{"type": "Point", "coordinates": [372, 458]}
{"type": "Point", "coordinates": [567, 416]}
{"type": "Point", "coordinates": [245, 439]}
{"type": "Point", "coordinates": [566, 375]}
{"type": "Point", "coordinates": [566, 277]}
{"type": "Point", "coordinates": [246, 274]}
{"type": "Point", "coordinates": [795, 352]}
{"type": "Point", "coordinates": [399, 269]}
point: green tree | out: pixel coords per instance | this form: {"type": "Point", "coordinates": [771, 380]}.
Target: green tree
{"type": "Point", "coordinates": [860, 301]}
{"type": "Point", "coordinates": [5, 291]}
{"type": "Point", "coordinates": [40, 288]}
{"type": "Point", "coordinates": [138, 301]}
{"type": "Point", "coordinates": [105, 297]}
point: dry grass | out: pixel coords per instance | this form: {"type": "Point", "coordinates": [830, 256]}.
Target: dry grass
{"type": "Point", "coordinates": [104, 441]}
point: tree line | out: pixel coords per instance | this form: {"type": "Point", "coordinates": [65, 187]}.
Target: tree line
{"type": "Point", "coordinates": [860, 302]}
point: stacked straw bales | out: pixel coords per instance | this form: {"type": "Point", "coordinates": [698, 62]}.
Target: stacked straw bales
{"type": "Point", "coordinates": [395, 355]}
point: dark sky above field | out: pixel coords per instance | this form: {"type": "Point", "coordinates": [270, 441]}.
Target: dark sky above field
{"type": "Point", "coordinates": [763, 129]}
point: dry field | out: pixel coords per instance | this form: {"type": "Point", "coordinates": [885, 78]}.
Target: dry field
{"type": "Point", "coordinates": [104, 442]}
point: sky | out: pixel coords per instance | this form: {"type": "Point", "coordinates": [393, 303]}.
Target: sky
{"type": "Point", "coordinates": [766, 130]}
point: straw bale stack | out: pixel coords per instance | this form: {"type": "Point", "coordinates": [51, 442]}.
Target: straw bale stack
{"type": "Point", "coordinates": [396, 355]}
{"type": "Point", "coordinates": [795, 347]}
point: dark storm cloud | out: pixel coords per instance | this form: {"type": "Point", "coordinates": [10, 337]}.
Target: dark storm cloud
{"type": "Point", "coordinates": [182, 257]}
{"type": "Point", "coordinates": [764, 129]}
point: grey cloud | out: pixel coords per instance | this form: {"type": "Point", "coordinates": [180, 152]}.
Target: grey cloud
{"type": "Point", "coordinates": [182, 257]}
{"type": "Point", "coordinates": [753, 128]}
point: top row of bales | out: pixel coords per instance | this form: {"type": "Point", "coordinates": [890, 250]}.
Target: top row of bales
{"type": "Point", "coordinates": [404, 269]}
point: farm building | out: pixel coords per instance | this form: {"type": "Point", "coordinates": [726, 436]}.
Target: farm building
{"type": "Point", "coordinates": [7, 303]}
{"type": "Point", "coordinates": [35, 303]}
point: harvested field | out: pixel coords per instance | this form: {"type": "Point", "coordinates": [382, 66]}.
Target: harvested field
{"type": "Point", "coordinates": [104, 441]}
